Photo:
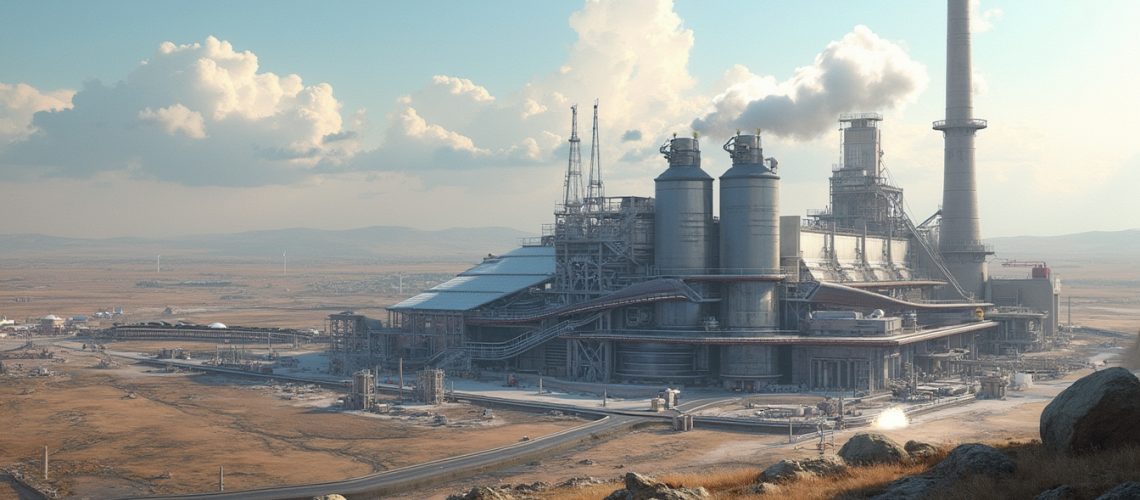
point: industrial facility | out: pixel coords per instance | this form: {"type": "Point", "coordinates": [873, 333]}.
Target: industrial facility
{"type": "Point", "coordinates": [627, 289]}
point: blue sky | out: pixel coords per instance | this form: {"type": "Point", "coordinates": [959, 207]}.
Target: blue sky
{"type": "Point", "coordinates": [442, 114]}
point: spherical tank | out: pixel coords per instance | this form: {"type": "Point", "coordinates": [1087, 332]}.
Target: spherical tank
{"type": "Point", "coordinates": [683, 239]}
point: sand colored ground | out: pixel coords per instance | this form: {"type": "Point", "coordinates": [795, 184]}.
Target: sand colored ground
{"type": "Point", "coordinates": [254, 293]}
{"type": "Point", "coordinates": [177, 429]}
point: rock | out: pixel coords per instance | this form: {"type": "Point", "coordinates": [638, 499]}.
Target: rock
{"type": "Point", "coordinates": [918, 449]}
{"type": "Point", "coordinates": [785, 470]}
{"type": "Point", "coordinates": [974, 458]}
{"type": "Point", "coordinates": [483, 493]}
{"type": "Point", "coordinates": [908, 488]}
{"type": "Point", "coordinates": [965, 460]}
{"type": "Point", "coordinates": [578, 482]}
{"type": "Point", "coordinates": [1063, 492]}
{"type": "Point", "coordinates": [532, 487]}
{"type": "Point", "coordinates": [1098, 411]}
{"type": "Point", "coordinates": [1128, 490]}
{"type": "Point", "coordinates": [872, 448]}
{"type": "Point", "coordinates": [642, 487]}
{"type": "Point", "coordinates": [585, 461]}
{"type": "Point", "coordinates": [767, 489]}
{"type": "Point", "coordinates": [333, 496]}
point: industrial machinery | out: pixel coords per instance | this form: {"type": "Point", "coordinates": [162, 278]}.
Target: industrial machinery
{"type": "Point", "coordinates": [660, 290]}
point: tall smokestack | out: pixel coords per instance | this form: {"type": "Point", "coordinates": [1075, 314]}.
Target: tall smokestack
{"type": "Point", "coordinates": [960, 240]}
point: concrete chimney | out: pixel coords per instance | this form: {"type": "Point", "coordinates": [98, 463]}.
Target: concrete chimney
{"type": "Point", "coordinates": [960, 240]}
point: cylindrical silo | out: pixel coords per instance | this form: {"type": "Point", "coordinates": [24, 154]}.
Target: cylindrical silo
{"type": "Point", "coordinates": [749, 235]}
{"type": "Point", "coordinates": [749, 249]}
{"type": "Point", "coordinates": [683, 240]}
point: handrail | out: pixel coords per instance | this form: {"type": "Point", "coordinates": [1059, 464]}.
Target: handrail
{"type": "Point", "coordinates": [520, 344]}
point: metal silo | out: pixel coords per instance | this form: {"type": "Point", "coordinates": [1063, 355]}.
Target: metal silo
{"type": "Point", "coordinates": [749, 256]}
{"type": "Point", "coordinates": [683, 241]}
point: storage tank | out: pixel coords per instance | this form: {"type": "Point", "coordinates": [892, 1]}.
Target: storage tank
{"type": "Point", "coordinates": [647, 361]}
{"type": "Point", "coordinates": [749, 248]}
{"type": "Point", "coordinates": [683, 240]}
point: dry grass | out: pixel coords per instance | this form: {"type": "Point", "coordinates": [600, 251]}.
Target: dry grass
{"type": "Point", "coordinates": [1037, 470]}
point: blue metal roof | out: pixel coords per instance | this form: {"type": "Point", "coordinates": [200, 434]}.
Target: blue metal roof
{"type": "Point", "coordinates": [496, 277]}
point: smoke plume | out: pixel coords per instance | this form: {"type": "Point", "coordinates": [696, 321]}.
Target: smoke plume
{"type": "Point", "coordinates": [860, 72]}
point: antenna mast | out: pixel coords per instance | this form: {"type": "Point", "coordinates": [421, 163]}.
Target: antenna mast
{"type": "Point", "coordinates": [596, 190]}
{"type": "Point", "coordinates": [572, 199]}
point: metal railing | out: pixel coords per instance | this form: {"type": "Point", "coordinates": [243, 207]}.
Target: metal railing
{"type": "Point", "coordinates": [494, 351]}
{"type": "Point", "coordinates": [973, 123]}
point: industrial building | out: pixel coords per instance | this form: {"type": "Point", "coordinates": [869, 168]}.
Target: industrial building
{"type": "Point", "coordinates": [660, 290]}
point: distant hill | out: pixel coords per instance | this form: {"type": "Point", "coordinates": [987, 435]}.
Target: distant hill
{"type": "Point", "coordinates": [378, 242]}
{"type": "Point", "coordinates": [1092, 245]}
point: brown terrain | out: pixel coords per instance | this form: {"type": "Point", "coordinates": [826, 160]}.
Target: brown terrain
{"type": "Point", "coordinates": [177, 429]}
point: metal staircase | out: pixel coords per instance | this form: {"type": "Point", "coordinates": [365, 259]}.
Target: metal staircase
{"type": "Point", "coordinates": [496, 351]}
{"type": "Point", "coordinates": [934, 255]}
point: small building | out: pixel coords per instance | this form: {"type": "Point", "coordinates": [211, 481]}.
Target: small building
{"type": "Point", "coordinates": [51, 324]}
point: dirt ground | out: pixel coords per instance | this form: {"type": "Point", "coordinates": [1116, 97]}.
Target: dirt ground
{"type": "Point", "coordinates": [204, 291]}
{"type": "Point", "coordinates": [134, 430]}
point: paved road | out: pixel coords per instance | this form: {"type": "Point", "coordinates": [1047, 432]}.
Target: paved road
{"type": "Point", "coordinates": [406, 478]}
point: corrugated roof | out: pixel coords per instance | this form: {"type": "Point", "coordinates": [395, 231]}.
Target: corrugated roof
{"type": "Point", "coordinates": [494, 278]}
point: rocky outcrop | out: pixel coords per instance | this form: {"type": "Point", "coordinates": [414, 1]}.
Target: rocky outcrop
{"type": "Point", "coordinates": [580, 481]}
{"type": "Point", "coordinates": [868, 448]}
{"type": "Point", "coordinates": [641, 487]}
{"type": "Point", "coordinates": [484, 493]}
{"type": "Point", "coordinates": [918, 449]}
{"type": "Point", "coordinates": [786, 469]}
{"type": "Point", "coordinates": [1097, 412]}
{"type": "Point", "coordinates": [1129, 490]}
{"type": "Point", "coordinates": [965, 460]}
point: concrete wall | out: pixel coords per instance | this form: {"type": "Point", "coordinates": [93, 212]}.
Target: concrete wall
{"type": "Point", "coordinates": [1039, 294]}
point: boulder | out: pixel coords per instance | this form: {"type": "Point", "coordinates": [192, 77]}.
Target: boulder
{"type": "Point", "coordinates": [767, 489]}
{"type": "Point", "coordinates": [1128, 490]}
{"type": "Point", "coordinates": [867, 448]}
{"type": "Point", "coordinates": [332, 496]}
{"type": "Point", "coordinates": [1099, 411]}
{"type": "Point", "coordinates": [642, 487]}
{"type": "Point", "coordinates": [918, 449]}
{"type": "Point", "coordinates": [974, 458]}
{"type": "Point", "coordinates": [794, 469]}
{"type": "Point", "coordinates": [965, 460]}
{"type": "Point", "coordinates": [1063, 492]}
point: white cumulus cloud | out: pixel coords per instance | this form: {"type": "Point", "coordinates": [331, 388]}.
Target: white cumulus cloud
{"type": "Point", "coordinates": [247, 127]}
{"type": "Point", "coordinates": [176, 119]}
{"type": "Point", "coordinates": [860, 72]}
{"type": "Point", "coordinates": [20, 102]}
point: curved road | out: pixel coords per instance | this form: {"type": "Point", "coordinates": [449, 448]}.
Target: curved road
{"type": "Point", "coordinates": [405, 478]}
{"type": "Point", "coordinates": [398, 480]}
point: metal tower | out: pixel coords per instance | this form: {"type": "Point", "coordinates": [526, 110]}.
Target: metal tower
{"type": "Point", "coordinates": [596, 191]}
{"type": "Point", "coordinates": [960, 234]}
{"type": "Point", "coordinates": [572, 197]}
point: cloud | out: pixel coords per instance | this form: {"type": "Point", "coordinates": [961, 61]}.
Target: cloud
{"type": "Point", "coordinates": [631, 135]}
{"type": "Point", "coordinates": [196, 114]}
{"type": "Point", "coordinates": [454, 123]}
{"type": "Point", "coordinates": [982, 21]}
{"type": "Point", "coordinates": [175, 119]}
{"type": "Point", "coordinates": [860, 72]}
{"type": "Point", "coordinates": [20, 102]}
